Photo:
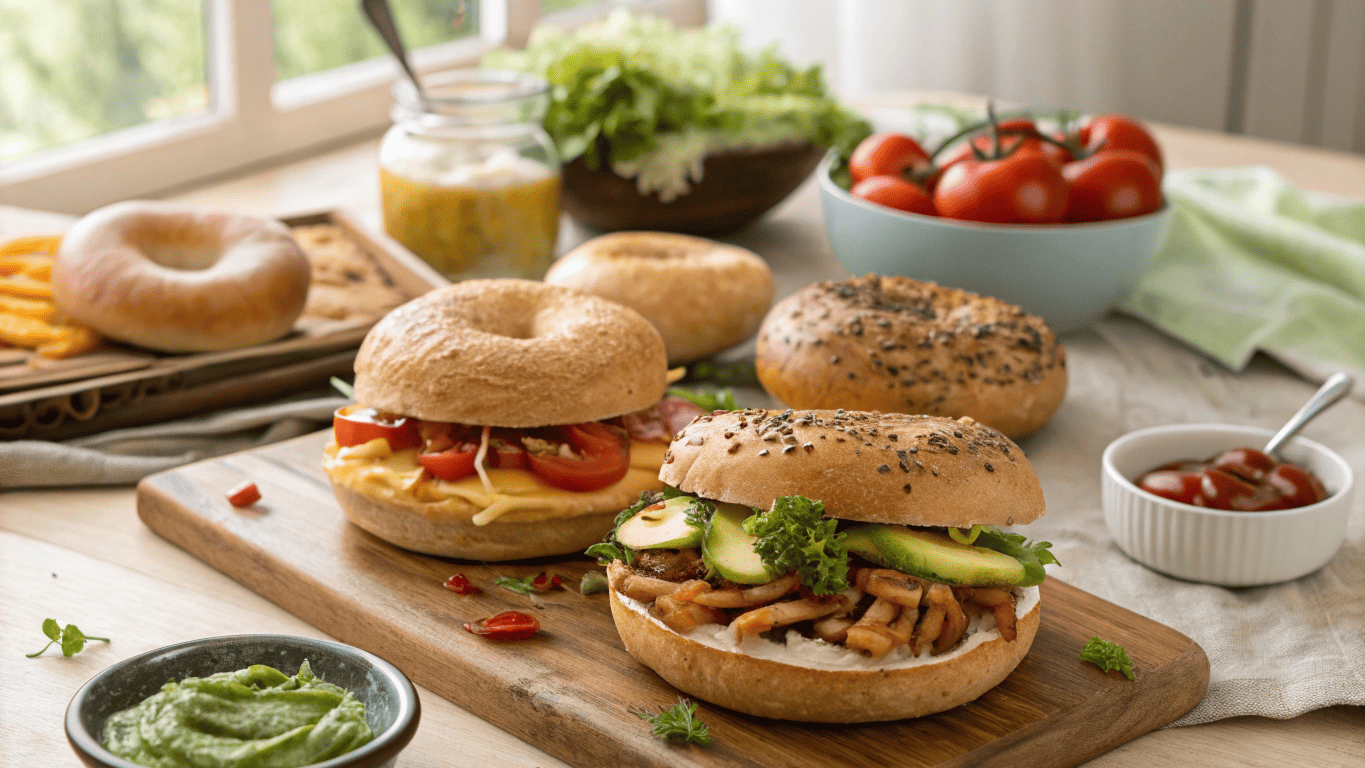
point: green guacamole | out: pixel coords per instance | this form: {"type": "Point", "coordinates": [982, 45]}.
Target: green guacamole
{"type": "Point", "coordinates": [256, 717]}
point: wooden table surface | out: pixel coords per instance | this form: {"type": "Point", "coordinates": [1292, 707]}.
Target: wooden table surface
{"type": "Point", "coordinates": [82, 556]}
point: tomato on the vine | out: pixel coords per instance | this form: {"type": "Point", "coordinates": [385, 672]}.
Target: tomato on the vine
{"type": "Point", "coordinates": [1114, 184]}
{"type": "Point", "coordinates": [605, 458]}
{"type": "Point", "coordinates": [1106, 133]}
{"type": "Point", "coordinates": [886, 154]}
{"type": "Point", "coordinates": [895, 192]}
{"type": "Point", "coordinates": [357, 425]}
{"type": "Point", "coordinates": [1021, 188]}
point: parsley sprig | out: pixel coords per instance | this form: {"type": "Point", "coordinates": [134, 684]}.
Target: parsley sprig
{"type": "Point", "coordinates": [794, 536]}
{"type": "Point", "coordinates": [71, 639]}
{"type": "Point", "coordinates": [1107, 656]}
{"type": "Point", "coordinates": [678, 722]}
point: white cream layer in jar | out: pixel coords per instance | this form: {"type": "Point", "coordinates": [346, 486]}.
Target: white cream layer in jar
{"type": "Point", "coordinates": [801, 651]}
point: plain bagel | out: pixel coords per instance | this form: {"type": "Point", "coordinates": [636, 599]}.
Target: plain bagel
{"type": "Point", "coordinates": [893, 344]}
{"type": "Point", "coordinates": [178, 280]}
{"type": "Point", "coordinates": [703, 296]}
{"type": "Point", "coordinates": [510, 353]}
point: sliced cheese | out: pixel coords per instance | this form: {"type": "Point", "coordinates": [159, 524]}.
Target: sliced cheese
{"type": "Point", "coordinates": [376, 471]}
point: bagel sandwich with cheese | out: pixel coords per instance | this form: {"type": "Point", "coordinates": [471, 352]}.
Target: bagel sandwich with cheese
{"type": "Point", "coordinates": [831, 566]}
{"type": "Point", "coordinates": [501, 420]}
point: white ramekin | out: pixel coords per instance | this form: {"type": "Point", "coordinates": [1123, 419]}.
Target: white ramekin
{"type": "Point", "coordinates": [1234, 549]}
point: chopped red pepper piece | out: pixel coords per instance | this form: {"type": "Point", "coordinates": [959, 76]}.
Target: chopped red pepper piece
{"type": "Point", "coordinates": [508, 625]}
{"type": "Point", "coordinates": [244, 495]}
{"type": "Point", "coordinates": [460, 585]}
{"type": "Point", "coordinates": [546, 582]}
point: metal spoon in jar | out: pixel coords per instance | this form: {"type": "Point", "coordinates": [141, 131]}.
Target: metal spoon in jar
{"type": "Point", "coordinates": [1332, 390]}
{"type": "Point", "coordinates": [381, 18]}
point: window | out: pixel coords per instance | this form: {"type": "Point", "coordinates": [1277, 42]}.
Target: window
{"type": "Point", "coordinates": [105, 100]}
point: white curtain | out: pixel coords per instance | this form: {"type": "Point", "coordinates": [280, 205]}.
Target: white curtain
{"type": "Point", "coordinates": [1165, 60]}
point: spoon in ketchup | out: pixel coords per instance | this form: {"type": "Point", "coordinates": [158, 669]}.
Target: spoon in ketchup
{"type": "Point", "coordinates": [1337, 386]}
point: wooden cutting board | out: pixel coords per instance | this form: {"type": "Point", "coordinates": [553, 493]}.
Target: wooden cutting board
{"type": "Point", "coordinates": [572, 689]}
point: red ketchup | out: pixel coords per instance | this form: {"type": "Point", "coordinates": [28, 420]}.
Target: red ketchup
{"type": "Point", "coordinates": [1239, 480]}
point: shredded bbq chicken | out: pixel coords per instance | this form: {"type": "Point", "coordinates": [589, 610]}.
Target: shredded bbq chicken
{"type": "Point", "coordinates": [905, 610]}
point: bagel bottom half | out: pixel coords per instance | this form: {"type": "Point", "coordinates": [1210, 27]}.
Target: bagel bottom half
{"type": "Point", "coordinates": [767, 688]}
{"type": "Point", "coordinates": [451, 533]}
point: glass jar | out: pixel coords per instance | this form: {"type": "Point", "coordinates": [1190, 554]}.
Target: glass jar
{"type": "Point", "coordinates": [468, 178]}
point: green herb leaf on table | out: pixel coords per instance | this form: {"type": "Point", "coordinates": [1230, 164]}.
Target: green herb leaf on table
{"type": "Point", "coordinates": [1107, 656]}
{"type": "Point", "coordinates": [794, 535]}
{"type": "Point", "coordinates": [516, 585]}
{"type": "Point", "coordinates": [70, 639]}
{"type": "Point", "coordinates": [678, 722]}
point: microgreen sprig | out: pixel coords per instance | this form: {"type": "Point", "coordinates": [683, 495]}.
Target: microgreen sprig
{"type": "Point", "coordinates": [677, 722]}
{"type": "Point", "coordinates": [69, 638]}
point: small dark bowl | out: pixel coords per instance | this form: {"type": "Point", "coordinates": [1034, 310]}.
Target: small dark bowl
{"type": "Point", "coordinates": [391, 705]}
{"type": "Point", "coordinates": [736, 188]}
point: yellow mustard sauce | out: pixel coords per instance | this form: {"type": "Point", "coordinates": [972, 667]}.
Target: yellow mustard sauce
{"type": "Point", "coordinates": [504, 230]}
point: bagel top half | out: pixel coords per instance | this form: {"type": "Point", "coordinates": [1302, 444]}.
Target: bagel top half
{"type": "Point", "coordinates": [872, 467]}
{"type": "Point", "coordinates": [511, 353]}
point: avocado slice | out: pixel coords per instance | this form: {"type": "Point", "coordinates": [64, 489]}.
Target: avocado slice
{"type": "Point", "coordinates": [934, 556]}
{"type": "Point", "coordinates": [661, 526]}
{"type": "Point", "coordinates": [729, 551]}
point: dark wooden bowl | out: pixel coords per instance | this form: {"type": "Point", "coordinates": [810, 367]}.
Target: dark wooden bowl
{"type": "Point", "coordinates": [736, 188]}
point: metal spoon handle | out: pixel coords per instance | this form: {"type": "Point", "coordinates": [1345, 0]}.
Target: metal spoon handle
{"type": "Point", "coordinates": [381, 17]}
{"type": "Point", "coordinates": [1332, 390]}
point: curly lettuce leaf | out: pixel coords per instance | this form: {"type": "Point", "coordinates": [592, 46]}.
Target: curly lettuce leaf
{"type": "Point", "coordinates": [1107, 656]}
{"type": "Point", "coordinates": [795, 536]}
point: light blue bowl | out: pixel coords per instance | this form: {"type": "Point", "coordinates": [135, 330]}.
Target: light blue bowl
{"type": "Point", "coordinates": [1068, 274]}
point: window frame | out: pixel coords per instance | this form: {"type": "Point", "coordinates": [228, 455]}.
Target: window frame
{"type": "Point", "coordinates": [254, 120]}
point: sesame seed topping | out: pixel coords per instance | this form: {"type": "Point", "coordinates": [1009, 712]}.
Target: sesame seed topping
{"type": "Point", "coordinates": [763, 452]}
{"type": "Point", "coordinates": [883, 469]}
{"type": "Point", "coordinates": [989, 468]}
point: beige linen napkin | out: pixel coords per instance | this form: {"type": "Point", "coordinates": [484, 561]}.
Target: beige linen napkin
{"type": "Point", "coordinates": [125, 456]}
{"type": "Point", "coordinates": [1275, 651]}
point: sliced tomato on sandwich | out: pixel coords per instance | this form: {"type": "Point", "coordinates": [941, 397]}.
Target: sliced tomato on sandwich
{"type": "Point", "coordinates": [357, 425]}
{"type": "Point", "coordinates": [603, 458]}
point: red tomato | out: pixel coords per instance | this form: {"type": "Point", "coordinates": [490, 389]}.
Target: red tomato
{"type": "Point", "coordinates": [661, 421]}
{"type": "Point", "coordinates": [605, 458]}
{"type": "Point", "coordinates": [1105, 133]}
{"type": "Point", "coordinates": [356, 425]}
{"type": "Point", "coordinates": [505, 450]}
{"type": "Point", "coordinates": [244, 495]}
{"type": "Point", "coordinates": [1114, 184]}
{"type": "Point", "coordinates": [508, 625]}
{"type": "Point", "coordinates": [886, 154]}
{"type": "Point", "coordinates": [461, 585]}
{"type": "Point", "coordinates": [1023, 188]}
{"type": "Point", "coordinates": [895, 192]}
{"type": "Point", "coordinates": [453, 463]}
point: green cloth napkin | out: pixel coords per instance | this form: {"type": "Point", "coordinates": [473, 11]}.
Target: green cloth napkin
{"type": "Point", "coordinates": [1251, 263]}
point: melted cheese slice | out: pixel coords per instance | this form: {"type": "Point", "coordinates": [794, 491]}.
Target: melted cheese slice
{"type": "Point", "coordinates": [517, 495]}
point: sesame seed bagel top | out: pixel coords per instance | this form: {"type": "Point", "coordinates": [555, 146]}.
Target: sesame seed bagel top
{"type": "Point", "coordinates": [875, 467]}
